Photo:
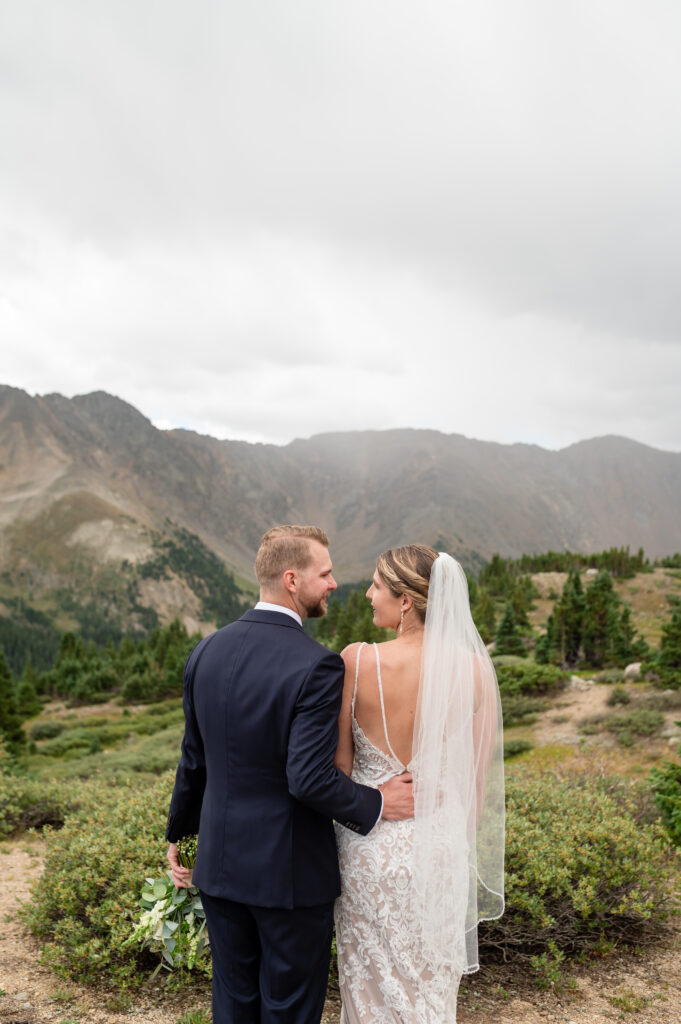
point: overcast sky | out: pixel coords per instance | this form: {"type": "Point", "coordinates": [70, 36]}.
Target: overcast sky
{"type": "Point", "coordinates": [268, 220]}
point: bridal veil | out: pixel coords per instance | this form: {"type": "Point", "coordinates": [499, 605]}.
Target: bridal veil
{"type": "Point", "coordinates": [458, 777]}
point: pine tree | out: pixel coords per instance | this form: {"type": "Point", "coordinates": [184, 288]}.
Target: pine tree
{"type": "Point", "coordinates": [508, 639]}
{"type": "Point", "coordinates": [520, 605]}
{"type": "Point", "coordinates": [601, 620]}
{"type": "Point", "coordinates": [545, 649]}
{"type": "Point", "coordinates": [625, 638]}
{"type": "Point", "coordinates": [484, 615]}
{"type": "Point", "coordinates": [28, 704]}
{"type": "Point", "coordinates": [11, 733]}
{"type": "Point", "coordinates": [568, 615]}
{"type": "Point", "coordinates": [669, 655]}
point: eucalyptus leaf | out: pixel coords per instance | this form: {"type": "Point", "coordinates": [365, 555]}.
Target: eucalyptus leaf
{"type": "Point", "coordinates": [168, 958]}
{"type": "Point", "coordinates": [170, 944]}
{"type": "Point", "coordinates": [159, 889]}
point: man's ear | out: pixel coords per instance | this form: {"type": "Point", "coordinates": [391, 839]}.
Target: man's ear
{"type": "Point", "coordinates": [289, 579]}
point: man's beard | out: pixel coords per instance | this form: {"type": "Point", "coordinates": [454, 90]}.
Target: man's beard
{"type": "Point", "coordinates": [317, 611]}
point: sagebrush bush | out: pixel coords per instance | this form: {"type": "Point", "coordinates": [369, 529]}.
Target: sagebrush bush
{"type": "Point", "coordinates": [610, 675]}
{"type": "Point", "coordinates": [627, 726]}
{"type": "Point", "coordinates": [520, 710]}
{"type": "Point", "coordinates": [618, 696]}
{"type": "Point", "coordinates": [146, 755]}
{"type": "Point", "coordinates": [584, 864]}
{"type": "Point", "coordinates": [514, 747]}
{"type": "Point", "coordinates": [666, 787]}
{"type": "Point", "coordinates": [84, 904]}
{"type": "Point", "coordinates": [527, 677]}
{"type": "Point", "coordinates": [31, 803]}
{"type": "Point", "coordinates": [581, 867]}
{"type": "Point", "coordinates": [46, 730]}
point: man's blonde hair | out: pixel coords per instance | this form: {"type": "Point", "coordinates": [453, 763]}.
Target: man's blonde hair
{"type": "Point", "coordinates": [285, 547]}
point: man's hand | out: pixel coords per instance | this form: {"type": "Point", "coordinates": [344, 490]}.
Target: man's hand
{"type": "Point", "coordinates": [182, 877]}
{"type": "Point", "coordinates": [398, 798]}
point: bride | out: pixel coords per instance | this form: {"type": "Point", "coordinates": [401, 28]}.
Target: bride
{"type": "Point", "coordinates": [428, 703]}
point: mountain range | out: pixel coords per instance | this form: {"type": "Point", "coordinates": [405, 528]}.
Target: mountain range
{"type": "Point", "coordinates": [91, 491]}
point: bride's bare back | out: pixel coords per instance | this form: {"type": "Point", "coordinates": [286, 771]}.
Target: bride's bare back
{"type": "Point", "coordinates": [400, 667]}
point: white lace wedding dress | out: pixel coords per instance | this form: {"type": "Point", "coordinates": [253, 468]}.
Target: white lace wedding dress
{"type": "Point", "coordinates": [383, 974]}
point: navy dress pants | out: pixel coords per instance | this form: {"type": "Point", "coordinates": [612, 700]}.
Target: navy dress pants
{"type": "Point", "coordinates": [270, 965]}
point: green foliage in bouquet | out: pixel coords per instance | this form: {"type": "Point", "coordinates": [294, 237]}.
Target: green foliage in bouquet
{"type": "Point", "coordinates": [584, 865]}
{"type": "Point", "coordinates": [173, 922]}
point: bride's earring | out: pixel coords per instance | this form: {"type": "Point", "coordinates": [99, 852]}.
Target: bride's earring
{"type": "Point", "coordinates": [401, 621]}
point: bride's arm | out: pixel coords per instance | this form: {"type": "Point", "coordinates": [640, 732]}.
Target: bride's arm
{"type": "Point", "coordinates": [345, 750]}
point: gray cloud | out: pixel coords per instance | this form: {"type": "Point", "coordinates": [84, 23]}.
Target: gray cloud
{"type": "Point", "coordinates": [273, 219]}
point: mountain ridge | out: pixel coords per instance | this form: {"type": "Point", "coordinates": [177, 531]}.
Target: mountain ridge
{"type": "Point", "coordinates": [368, 489]}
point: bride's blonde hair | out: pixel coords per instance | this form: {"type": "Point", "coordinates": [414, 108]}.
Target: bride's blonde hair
{"type": "Point", "coordinates": [407, 570]}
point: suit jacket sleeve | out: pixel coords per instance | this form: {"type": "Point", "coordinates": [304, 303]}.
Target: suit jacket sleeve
{"type": "Point", "coordinates": [312, 776]}
{"type": "Point", "coordinates": [190, 779]}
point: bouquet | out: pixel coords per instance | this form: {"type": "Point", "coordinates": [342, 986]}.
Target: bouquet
{"type": "Point", "coordinates": [173, 921]}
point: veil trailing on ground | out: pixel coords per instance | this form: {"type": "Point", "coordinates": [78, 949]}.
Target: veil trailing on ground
{"type": "Point", "coordinates": [458, 777]}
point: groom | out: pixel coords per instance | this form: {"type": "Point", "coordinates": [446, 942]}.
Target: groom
{"type": "Point", "coordinates": [257, 780]}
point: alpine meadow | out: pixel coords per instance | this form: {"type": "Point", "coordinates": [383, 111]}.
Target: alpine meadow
{"type": "Point", "coordinates": [122, 544]}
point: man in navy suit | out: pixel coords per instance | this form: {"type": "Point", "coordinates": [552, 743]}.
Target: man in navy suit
{"type": "Point", "coordinates": [257, 780]}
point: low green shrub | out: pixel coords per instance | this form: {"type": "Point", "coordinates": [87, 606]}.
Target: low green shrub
{"type": "Point", "coordinates": [514, 747]}
{"type": "Point", "coordinates": [584, 865]}
{"type": "Point", "coordinates": [85, 902]}
{"type": "Point", "coordinates": [610, 675]}
{"type": "Point", "coordinates": [30, 803]}
{"type": "Point", "coordinates": [503, 660]}
{"type": "Point", "coordinates": [527, 677]}
{"type": "Point", "coordinates": [627, 727]}
{"type": "Point", "coordinates": [150, 755]}
{"type": "Point", "coordinates": [668, 700]}
{"type": "Point", "coordinates": [520, 710]}
{"type": "Point", "coordinates": [46, 730]}
{"type": "Point", "coordinates": [665, 783]}
{"type": "Point", "coordinates": [618, 696]}
{"type": "Point", "coordinates": [581, 868]}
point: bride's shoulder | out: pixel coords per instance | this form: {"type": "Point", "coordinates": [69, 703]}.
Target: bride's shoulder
{"type": "Point", "coordinates": [349, 653]}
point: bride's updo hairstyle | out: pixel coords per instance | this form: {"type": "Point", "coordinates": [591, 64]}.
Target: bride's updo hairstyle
{"type": "Point", "coordinates": [407, 571]}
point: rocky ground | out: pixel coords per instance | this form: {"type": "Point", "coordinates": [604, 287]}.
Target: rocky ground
{"type": "Point", "coordinates": [643, 986]}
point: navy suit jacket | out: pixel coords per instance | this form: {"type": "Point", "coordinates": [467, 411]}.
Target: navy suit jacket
{"type": "Point", "coordinates": [256, 777]}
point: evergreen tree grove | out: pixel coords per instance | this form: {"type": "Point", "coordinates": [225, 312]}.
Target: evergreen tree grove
{"type": "Point", "coordinates": [11, 733]}
{"type": "Point", "coordinates": [668, 662]}
{"type": "Point", "coordinates": [28, 704]}
{"type": "Point", "coordinates": [601, 620]}
{"type": "Point", "coordinates": [508, 638]}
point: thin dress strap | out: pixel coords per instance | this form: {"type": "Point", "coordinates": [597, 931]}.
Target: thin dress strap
{"type": "Point", "coordinates": [380, 693]}
{"type": "Point", "coordinates": [354, 692]}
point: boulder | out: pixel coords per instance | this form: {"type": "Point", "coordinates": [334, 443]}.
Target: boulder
{"type": "Point", "coordinates": [633, 671]}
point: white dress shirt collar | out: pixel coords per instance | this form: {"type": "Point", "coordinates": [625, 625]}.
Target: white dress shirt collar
{"type": "Point", "coordinates": [265, 606]}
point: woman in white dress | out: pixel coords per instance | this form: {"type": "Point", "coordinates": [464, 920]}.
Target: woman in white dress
{"type": "Point", "coordinates": [428, 703]}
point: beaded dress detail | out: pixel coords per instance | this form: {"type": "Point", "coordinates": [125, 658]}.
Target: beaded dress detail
{"type": "Point", "coordinates": [383, 974]}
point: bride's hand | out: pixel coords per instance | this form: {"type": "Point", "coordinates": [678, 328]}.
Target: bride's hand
{"type": "Point", "coordinates": [398, 798]}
